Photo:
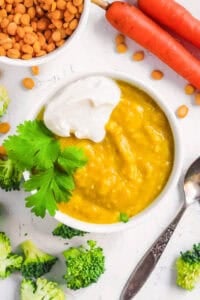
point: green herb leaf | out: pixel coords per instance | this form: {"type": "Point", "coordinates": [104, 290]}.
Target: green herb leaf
{"type": "Point", "coordinates": [20, 152]}
{"type": "Point", "coordinates": [34, 146]}
{"type": "Point", "coordinates": [72, 158]}
{"type": "Point", "coordinates": [29, 128]}
{"type": "Point", "coordinates": [36, 149]}
{"type": "Point", "coordinates": [50, 187]}
{"type": "Point", "coordinates": [123, 217]}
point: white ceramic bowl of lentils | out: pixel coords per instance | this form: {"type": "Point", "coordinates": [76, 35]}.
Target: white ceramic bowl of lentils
{"type": "Point", "coordinates": [32, 32]}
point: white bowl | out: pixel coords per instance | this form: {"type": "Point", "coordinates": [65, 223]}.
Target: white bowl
{"type": "Point", "coordinates": [174, 176]}
{"type": "Point", "coordinates": [35, 61]}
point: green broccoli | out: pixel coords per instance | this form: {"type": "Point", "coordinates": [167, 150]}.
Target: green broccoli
{"type": "Point", "coordinates": [41, 289]}
{"type": "Point", "coordinates": [10, 175]}
{"type": "Point", "coordinates": [67, 232]}
{"type": "Point", "coordinates": [9, 262]}
{"type": "Point", "coordinates": [4, 100]}
{"type": "Point", "coordinates": [36, 261]}
{"type": "Point", "coordinates": [84, 266]}
{"type": "Point", "coordinates": [188, 268]}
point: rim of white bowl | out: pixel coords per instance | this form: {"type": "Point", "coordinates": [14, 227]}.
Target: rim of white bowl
{"type": "Point", "coordinates": [50, 56]}
{"type": "Point", "coordinates": [177, 165]}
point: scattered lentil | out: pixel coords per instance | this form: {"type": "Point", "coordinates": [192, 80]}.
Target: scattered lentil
{"type": "Point", "coordinates": [157, 74]}
{"type": "Point", "coordinates": [2, 151]}
{"type": "Point", "coordinates": [182, 111]}
{"type": "Point", "coordinates": [4, 127]}
{"type": "Point", "coordinates": [28, 83]}
{"type": "Point", "coordinates": [138, 56]}
{"type": "Point", "coordinates": [189, 89]}
{"type": "Point", "coordinates": [35, 70]}
{"type": "Point", "coordinates": [121, 48]}
{"type": "Point", "coordinates": [119, 39]}
{"type": "Point", "coordinates": [197, 98]}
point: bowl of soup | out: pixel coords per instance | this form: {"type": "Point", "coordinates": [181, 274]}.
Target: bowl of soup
{"type": "Point", "coordinates": [132, 166]}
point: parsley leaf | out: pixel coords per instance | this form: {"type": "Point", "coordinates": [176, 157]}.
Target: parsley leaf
{"type": "Point", "coordinates": [35, 149]}
{"type": "Point", "coordinates": [72, 158]}
{"type": "Point", "coordinates": [20, 152]}
{"type": "Point", "coordinates": [123, 217]}
{"type": "Point", "coordinates": [30, 128]}
{"type": "Point", "coordinates": [50, 187]}
{"type": "Point", "coordinates": [34, 146]}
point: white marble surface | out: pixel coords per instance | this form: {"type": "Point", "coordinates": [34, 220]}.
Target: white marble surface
{"type": "Point", "coordinates": [94, 51]}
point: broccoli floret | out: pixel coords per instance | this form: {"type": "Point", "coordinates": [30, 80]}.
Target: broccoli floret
{"type": "Point", "coordinates": [67, 232]}
{"type": "Point", "coordinates": [10, 175]}
{"type": "Point", "coordinates": [4, 100]}
{"type": "Point", "coordinates": [36, 262]}
{"type": "Point", "coordinates": [41, 289]}
{"type": "Point", "coordinates": [9, 262]}
{"type": "Point", "coordinates": [84, 265]}
{"type": "Point", "coordinates": [188, 268]}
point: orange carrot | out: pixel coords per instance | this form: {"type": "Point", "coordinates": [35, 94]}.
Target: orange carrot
{"type": "Point", "coordinates": [130, 21]}
{"type": "Point", "coordinates": [174, 16]}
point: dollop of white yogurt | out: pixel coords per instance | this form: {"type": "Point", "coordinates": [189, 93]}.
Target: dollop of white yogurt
{"type": "Point", "coordinates": [83, 108]}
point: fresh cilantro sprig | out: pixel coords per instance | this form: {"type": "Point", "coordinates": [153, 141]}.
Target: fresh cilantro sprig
{"type": "Point", "coordinates": [71, 158]}
{"type": "Point", "coordinates": [34, 146]}
{"type": "Point", "coordinates": [35, 149]}
{"type": "Point", "coordinates": [52, 187]}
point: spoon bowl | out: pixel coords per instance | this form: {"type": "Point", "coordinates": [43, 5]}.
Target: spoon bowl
{"type": "Point", "coordinates": [192, 182]}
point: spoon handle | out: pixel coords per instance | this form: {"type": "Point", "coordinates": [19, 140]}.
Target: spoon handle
{"type": "Point", "coordinates": [149, 260]}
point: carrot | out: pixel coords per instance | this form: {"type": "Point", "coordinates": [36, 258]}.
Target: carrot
{"type": "Point", "coordinates": [130, 21]}
{"type": "Point", "coordinates": [174, 16]}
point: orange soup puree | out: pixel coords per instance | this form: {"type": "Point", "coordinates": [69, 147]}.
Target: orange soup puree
{"type": "Point", "coordinates": [129, 168]}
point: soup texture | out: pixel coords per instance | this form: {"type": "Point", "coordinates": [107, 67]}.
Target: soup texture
{"type": "Point", "coordinates": [129, 168]}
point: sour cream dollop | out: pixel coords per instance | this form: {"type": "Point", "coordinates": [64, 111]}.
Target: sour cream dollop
{"type": "Point", "coordinates": [83, 108]}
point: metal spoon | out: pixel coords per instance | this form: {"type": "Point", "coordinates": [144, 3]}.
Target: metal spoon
{"type": "Point", "coordinates": [148, 262]}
